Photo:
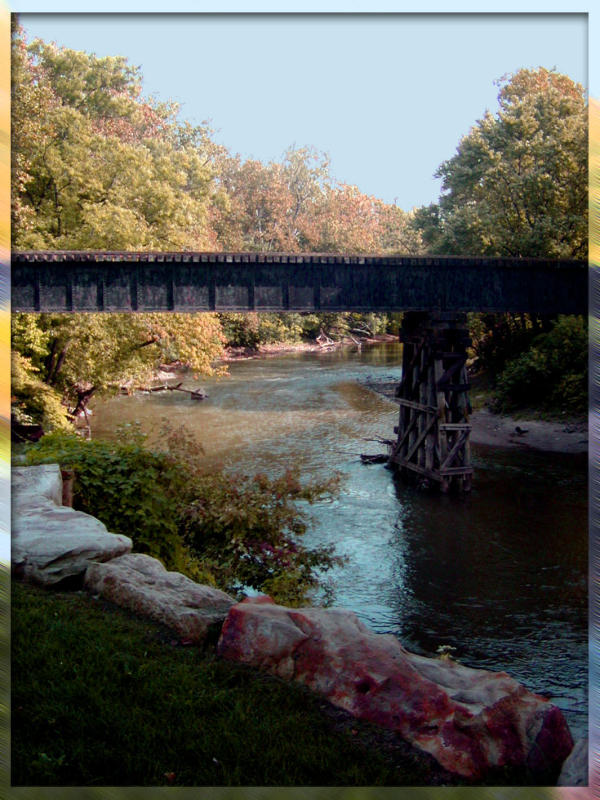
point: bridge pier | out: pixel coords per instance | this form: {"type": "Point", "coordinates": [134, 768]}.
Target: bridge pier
{"type": "Point", "coordinates": [432, 445]}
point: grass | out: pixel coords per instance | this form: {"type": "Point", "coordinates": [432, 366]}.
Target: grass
{"type": "Point", "coordinates": [102, 698]}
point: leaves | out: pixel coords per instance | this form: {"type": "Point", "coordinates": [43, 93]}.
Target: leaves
{"type": "Point", "coordinates": [230, 530]}
{"type": "Point", "coordinates": [75, 355]}
{"type": "Point", "coordinates": [552, 373]}
{"type": "Point", "coordinates": [95, 165]}
{"type": "Point", "coordinates": [517, 184]}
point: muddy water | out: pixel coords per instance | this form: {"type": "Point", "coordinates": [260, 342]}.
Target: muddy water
{"type": "Point", "coordinates": [500, 575]}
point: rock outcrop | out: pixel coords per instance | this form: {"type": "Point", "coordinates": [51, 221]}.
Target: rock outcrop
{"type": "Point", "coordinates": [51, 542]}
{"type": "Point", "coordinates": [141, 584]}
{"type": "Point", "coordinates": [471, 721]}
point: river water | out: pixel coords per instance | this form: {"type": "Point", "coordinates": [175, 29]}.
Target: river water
{"type": "Point", "coordinates": [500, 575]}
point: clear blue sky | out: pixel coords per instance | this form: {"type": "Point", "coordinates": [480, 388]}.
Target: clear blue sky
{"type": "Point", "coordinates": [388, 97]}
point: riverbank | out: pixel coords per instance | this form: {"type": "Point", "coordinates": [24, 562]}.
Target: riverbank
{"type": "Point", "coordinates": [501, 430]}
{"type": "Point", "coordinates": [279, 348]}
{"type": "Point", "coordinates": [206, 703]}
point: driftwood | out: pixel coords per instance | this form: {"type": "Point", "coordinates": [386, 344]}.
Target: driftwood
{"type": "Point", "coordinates": [325, 341]}
{"type": "Point", "coordinates": [380, 440]}
{"type": "Point", "coordinates": [366, 332]}
{"type": "Point", "coordinates": [195, 394]}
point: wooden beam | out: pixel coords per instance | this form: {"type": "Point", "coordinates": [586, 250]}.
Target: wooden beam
{"type": "Point", "coordinates": [406, 434]}
{"type": "Point", "coordinates": [417, 406]}
{"type": "Point", "coordinates": [416, 468]}
{"type": "Point", "coordinates": [421, 437]}
{"type": "Point", "coordinates": [452, 471]}
{"type": "Point", "coordinates": [445, 378]}
{"type": "Point", "coordinates": [455, 448]}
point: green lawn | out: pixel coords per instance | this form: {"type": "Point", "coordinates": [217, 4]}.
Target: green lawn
{"type": "Point", "coordinates": [100, 698]}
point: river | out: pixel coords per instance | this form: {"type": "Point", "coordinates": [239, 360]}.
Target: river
{"type": "Point", "coordinates": [500, 574]}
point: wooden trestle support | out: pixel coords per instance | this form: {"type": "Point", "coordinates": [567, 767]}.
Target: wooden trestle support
{"type": "Point", "coordinates": [432, 445]}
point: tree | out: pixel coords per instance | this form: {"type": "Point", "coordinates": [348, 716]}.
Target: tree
{"type": "Point", "coordinates": [76, 356]}
{"type": "Point", "coordinates": [252, 214]}
{"type": "Point", "coordinates": [95, 165]}
{"type": "Point", "coordinates": [517, 185]}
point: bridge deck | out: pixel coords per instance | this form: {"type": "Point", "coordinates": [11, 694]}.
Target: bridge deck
{"type": "Point", "coordinates": [187, 281]}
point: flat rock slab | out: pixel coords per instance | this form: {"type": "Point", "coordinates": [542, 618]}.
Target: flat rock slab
{"type": "Point", "coordinates": [471, 721]}
{"type": "Point", "coordinates": [51, 542]}
{"type": "Point", "coordinates": [141, 584]}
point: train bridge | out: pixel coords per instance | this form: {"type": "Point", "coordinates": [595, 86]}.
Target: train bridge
{"type": "Point", "coordinates": [432, 435]}
{"type": "Point", "coordinates": [105, 281]}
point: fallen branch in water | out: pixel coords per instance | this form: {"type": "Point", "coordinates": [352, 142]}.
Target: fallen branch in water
{"type": "Point", "coordinates": [380, 440]}
{"type": "Point", "coordinates": [379, 458]}
{"type": "Point", "coordinates": [195, 394]}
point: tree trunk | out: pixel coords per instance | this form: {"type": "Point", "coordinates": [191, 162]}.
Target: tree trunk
{"type": "Point", "coordinates": [83, 398]}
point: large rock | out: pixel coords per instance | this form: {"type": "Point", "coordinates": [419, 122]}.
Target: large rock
{"type": "Point", "coordinates": [575, 770]}
{"type": "Point", "coordinates": [471, 721]}
{"type": "Point", "coordinates": [143, 585]}
{"type": "Point", "coordinates": [51, 542]}
{"type": "Point", "coordinates": [32, 486]}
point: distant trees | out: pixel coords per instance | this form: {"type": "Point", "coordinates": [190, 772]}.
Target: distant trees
{"type": "Point", "coordinates": [296, 206]}
{"type": "Point", "coordinates": [98, 166]}
{"type": "Point", "coordinates": [95, 165]}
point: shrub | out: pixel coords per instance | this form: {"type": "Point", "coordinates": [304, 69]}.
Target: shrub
{"type": "Point", "coordinates": [552, 375]}
{"type": "Point", "coordinates": [127, 487]}
{"type": "Point", "coordinates": [231, 530]}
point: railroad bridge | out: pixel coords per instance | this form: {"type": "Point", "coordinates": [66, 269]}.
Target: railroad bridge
{"type": "Point", "coordinates": [432, 435]}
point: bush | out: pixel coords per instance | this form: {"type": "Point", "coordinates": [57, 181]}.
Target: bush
{"type": "Point", "coordinates": [251, 330]}
{"type": "Point", "coordinates": [33, 402]}
{"type": "Point", "coordinates": [231, 530]}
{"type": "Point", "coordinates": [553, 374]}
{"type": "Point", "coordinates": [130, 489]}
{"type": "Point", "coordinates": [500, 338]}
{"type": "Point", "coordinates": [247, 528]}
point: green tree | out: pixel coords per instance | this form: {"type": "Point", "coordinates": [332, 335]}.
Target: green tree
{"type": "Point", "coordinates": [517, 185]}
{"type": "Point", "coordinates": [95, 165]}
{"type": "Point", "coordinates": [78, 355]}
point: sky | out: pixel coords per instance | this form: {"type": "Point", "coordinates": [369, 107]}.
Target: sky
{"type": "Point", "coordinates": [386, 96]}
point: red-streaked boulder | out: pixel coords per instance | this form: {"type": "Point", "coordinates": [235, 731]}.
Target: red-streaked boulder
{"type": "Point", "coordinates": [141, 584]}
{"type": "Point", "coordinates": [470, 720]}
